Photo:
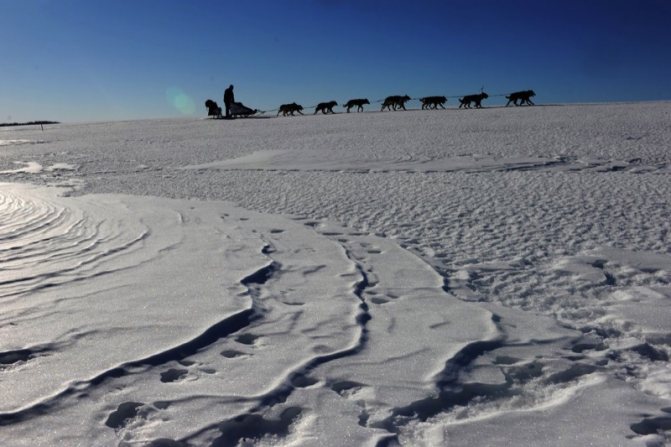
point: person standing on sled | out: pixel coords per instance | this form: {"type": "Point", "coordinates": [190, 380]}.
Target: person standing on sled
{"type": "Point", "coordinates": [228, 100]}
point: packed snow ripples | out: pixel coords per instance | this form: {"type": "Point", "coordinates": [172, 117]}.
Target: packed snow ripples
{"type": "Point", "coordinates": [279, 316]}
{"type": "Point", "coordinates": [43, 244]}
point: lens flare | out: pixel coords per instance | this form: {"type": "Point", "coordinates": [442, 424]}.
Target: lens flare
{"type": "Point", "coordinates": [180, 101]}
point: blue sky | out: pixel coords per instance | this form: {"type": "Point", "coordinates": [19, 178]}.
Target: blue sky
{"type": "Point", "coordinates": [83, 60]}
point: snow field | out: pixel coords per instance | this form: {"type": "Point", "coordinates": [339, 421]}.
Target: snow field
{"type": "Point", "coordinates": [487, 277]}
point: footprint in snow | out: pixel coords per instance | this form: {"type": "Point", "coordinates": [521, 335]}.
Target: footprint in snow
{"type": "Point", "coordinates": [346, 387]}
{"type": "Point", "coordinates": [302, 381]}
{"type": "Point", "coordinates": [124, 413]}
{"type": "Point", "coordinates": [232, 353]}
{"type": "Point", "coordinates": [173, 375]}
{"type": "Point", "coordinates": [247, 339]}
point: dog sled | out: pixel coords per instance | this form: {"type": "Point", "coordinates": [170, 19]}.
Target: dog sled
{"type": "Point", "coordinates": [238, 109]}
{"type": "Point", "coordinates": [213, 109]}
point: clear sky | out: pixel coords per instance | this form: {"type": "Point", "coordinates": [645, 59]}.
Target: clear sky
{"type": "Point", "coordinates": [89, 60]}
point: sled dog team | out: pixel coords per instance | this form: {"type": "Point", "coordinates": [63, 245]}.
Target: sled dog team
{"type": "Point", "coordinates": [396, 102]}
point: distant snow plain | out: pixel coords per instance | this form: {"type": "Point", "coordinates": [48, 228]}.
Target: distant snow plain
{"type": "Point", "coordinates": [487, 277]}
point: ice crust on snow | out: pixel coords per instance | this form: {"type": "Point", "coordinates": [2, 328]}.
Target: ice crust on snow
{"type": "Point", "coordinates": [486, 277]}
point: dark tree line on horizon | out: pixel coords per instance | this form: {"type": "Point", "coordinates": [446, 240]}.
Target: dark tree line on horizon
{"type": "Point", "coordinates": [28, 123]}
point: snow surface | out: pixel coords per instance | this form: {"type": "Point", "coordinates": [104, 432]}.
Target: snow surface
{"type": "Point", "coordinates": [482, 277]}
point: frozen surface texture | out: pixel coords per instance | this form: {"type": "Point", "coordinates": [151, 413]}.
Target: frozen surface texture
{"type": "Point", "coordinates": [483, 277]}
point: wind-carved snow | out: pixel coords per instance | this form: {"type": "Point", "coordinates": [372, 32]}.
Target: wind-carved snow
{"type": "Point", "coordinates": [88, 285]}
{"type": "Point", "coordinates": [491, 277]}
{"type": "Point", "coordinates": [92, 284]}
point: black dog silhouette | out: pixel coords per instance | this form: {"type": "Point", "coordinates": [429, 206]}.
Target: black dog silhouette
{"type": "Point", "coordinates": [476, 99]}
{"type": "Point", "coordinates": [325, 107]}
{"type": "Point", "coordinates": [524, 97]}
{"type": "Point", "coordinates": [395, 102]}
{"type": "Point", "coordinates": [359, 103]}
{"type": "Point", "coordinates": [433, 102]}
{"type": "Point", "coordinates": [289, 109]}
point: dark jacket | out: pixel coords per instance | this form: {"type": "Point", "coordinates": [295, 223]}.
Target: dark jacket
{"type": "Point", "coordinates": [228, 96]}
